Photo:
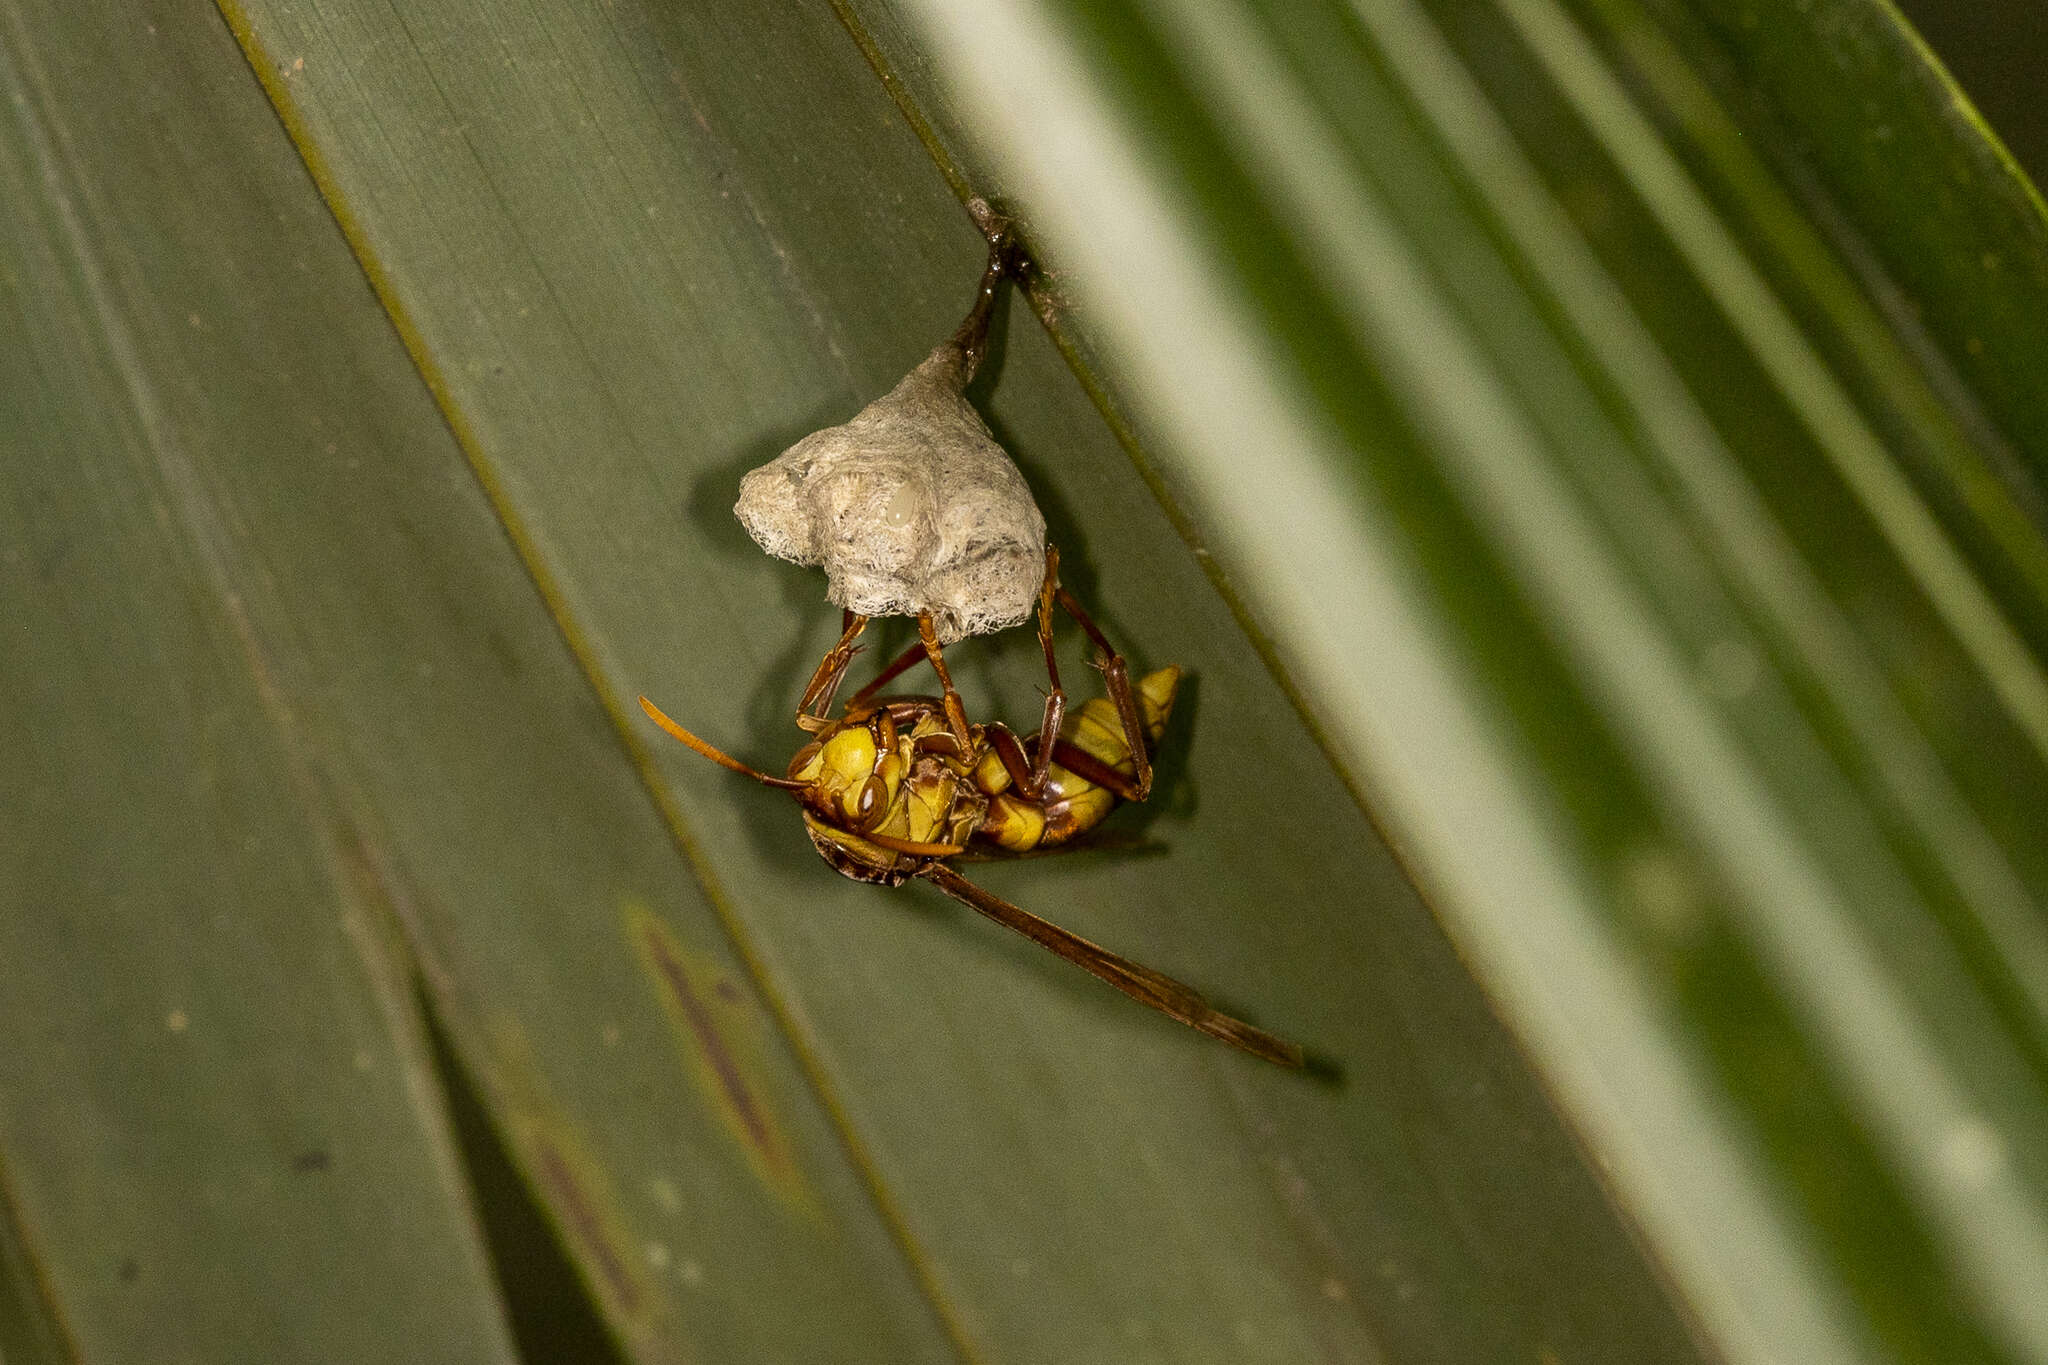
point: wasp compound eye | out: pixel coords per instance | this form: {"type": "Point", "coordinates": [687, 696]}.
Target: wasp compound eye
{"type": "Point", "coordinates": [874, 803]}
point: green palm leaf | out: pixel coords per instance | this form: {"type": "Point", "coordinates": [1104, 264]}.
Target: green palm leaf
{"type": "Point", "coordinates": [1595, 444]}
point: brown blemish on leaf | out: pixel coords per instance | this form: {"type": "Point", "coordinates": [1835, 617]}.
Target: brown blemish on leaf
{"type": "Point", "coordinates": [578, 1208]}
{"type": "Point", "coordinates": [713, 1024]}
{"type": "Point", "coordinates": [575, 1191]}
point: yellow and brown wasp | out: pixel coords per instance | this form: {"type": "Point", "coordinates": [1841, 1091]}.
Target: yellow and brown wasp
{"type": "Point", "coordinates": [894, 786]}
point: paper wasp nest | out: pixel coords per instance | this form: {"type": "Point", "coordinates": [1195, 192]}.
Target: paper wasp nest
{"type": "Point", "coordinates": [910, 507]}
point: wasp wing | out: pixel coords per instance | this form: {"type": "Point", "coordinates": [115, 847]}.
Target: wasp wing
{"type": "Point", "coordinates": [1161, 992]}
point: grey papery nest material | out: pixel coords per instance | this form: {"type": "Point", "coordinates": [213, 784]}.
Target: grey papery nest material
{"type": "Point", "coordinates": [910, 507]}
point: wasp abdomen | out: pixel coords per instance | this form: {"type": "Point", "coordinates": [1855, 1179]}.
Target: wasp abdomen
{"type": "Point", "coordinates": [1072, 805]}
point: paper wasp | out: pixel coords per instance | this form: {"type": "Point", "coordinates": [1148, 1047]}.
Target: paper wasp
{"type": "Point", "coordinates": [893, 787]}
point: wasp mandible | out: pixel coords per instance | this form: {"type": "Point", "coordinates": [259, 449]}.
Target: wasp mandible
{"type": "Point", "coordinates": [892, 787]}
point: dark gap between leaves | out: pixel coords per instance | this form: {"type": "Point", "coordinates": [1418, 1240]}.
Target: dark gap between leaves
{"type": "Point", "coordinates": [553, 1320]}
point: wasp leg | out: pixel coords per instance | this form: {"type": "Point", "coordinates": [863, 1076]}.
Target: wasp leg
{"type": "Point", "coordinates": [1088, 767]}
{"type": "Point", "coordinates": [956, 714]}
{"type": "Point", "coordinates": [863, 701]}
{"type": "Point", "coordinates": [1097, 840]}
{"type": "Point", "coordinates": [1161, 992]}
{"type": "Point", "coordinates": [1009, 751]}
{"type": "Point", "coordinates": [1028, 767]}
{"type": "Point", "coordinates": [1055, 696]}
{"type": "Point", "coordinates": [812, 710]}
{"type": "Point", "coordinates": [1116, 677]}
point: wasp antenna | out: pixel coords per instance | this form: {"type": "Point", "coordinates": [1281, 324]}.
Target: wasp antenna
{"type": "Point", "coordinates": [722, 759]}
